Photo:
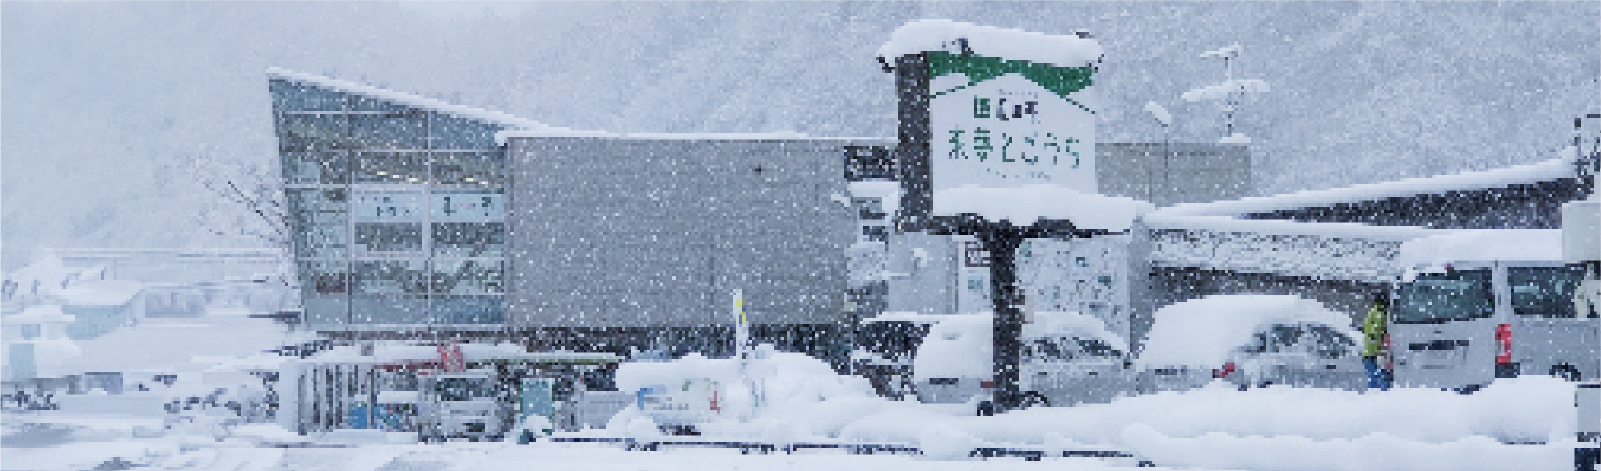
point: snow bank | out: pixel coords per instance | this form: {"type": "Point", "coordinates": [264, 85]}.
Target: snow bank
{"type": "Point", "coordinates": [1172, 428]}
{"type": "Point", "coordinates": [1029, 203]}
{"type": "Point", "coordinates": [1482, 245]}
{"type": "Point", "coordinates": [1201, 332]}
{"type": "Point", "coordinates": [940, 35]}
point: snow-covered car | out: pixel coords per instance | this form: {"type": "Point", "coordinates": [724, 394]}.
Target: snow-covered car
{"type": "Point", "coordinates": [1250, 340]}
{"type": "Point", "coordinates": [1070, 358]}
{"type": "Point", "coordinates": [1067, 358]}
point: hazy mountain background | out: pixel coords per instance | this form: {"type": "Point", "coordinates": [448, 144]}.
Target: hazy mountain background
{"type": "Point", "coordinates": [105, 108]}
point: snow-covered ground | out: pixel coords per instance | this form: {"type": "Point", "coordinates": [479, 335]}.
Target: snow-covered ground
{"type": "Point", "coordinates": [1524, 423]}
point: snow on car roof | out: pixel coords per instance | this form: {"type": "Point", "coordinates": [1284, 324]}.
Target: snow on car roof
{"type": "Point", "coordinates": [1015, 44]}
{"type": "Point", "coordinates": [1482, 245]}
{"type": "Point", "coordinates": [1073, 323]}
{"type": "Point", "coordinates": [1202, 332]}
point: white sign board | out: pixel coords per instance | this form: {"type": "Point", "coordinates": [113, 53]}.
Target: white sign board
{"type": "Point", "coordinates": [1007, 132]}
{"type": "Point", "coordinates": [388, 207]}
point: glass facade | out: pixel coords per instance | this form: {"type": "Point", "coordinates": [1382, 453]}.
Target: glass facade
{"type": "Point", "coordinates": [398, 211]}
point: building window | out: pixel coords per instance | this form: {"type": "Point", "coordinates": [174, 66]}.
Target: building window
{"type": "Point", "coordinates": [473, 169]}
{"type": "Point", "coordinates": [875, 233]}
{"type": "Point", "coordinates": [313, 168]}
{"type": "Point", "coordinates": [319, 217]}
{"type": "Point", "coordinates": [394, 168]}
{"type": "Point", "coordinates": [466, 239]}
{"type": "Point", "coordinates": [469, 277]}
{"type": "Point", "coordinates": [388, 238]}
{"type": "Point", "coordinates": [869, 209]}
{"type": "Point", "coordinates": [1081, 262]}
{"type": "Point", "coordinates": [313, 132]}
{"type": "Point", "coordinates": [389, 130]}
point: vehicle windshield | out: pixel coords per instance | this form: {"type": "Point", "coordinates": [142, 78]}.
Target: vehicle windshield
{"type": "Point", "coordinates": [1544, 291]}
{"type": "Point", "coordinates": [1441, 297]}
{"type": "Point", "coordinates": [891, 338]}
{"type": "Point", "coordinates": [464, 389]}
{"type": "Point", "coordinates": [1066, 348]}
{"type": "Point", "coordinates": [1316, 339]}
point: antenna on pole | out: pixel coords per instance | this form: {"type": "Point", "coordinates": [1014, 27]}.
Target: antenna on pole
{"type": "Point", "coordinates": [1231, 92]}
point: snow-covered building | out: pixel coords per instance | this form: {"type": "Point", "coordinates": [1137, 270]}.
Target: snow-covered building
{"type": "Point", "coordinates": [417, 218]}
{"type": "Point", "coordinates": [1339, 246]}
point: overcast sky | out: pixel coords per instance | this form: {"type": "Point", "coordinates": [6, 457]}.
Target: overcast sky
{"type": "Point", "coordinates": [104, 106]}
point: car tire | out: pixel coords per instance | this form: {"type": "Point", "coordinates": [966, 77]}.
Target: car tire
{"type": "Point", "coordinates": [1567, 372]}
{"type": "Point", "coordinates": [986, 409]}
{"type": "Point", "coordinates": [1034, 399]}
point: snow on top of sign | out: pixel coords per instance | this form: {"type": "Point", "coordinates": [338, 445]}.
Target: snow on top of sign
{"type": "Point", "coordinates": [1221, 91]}
{"type": "Point", "coordinates": [1014, 44]}
{"type": "Point", "coordinates": [407, 99]}
{"type": "Point", "coordinates": [1482, 245]}
{"type": "Point", "coordinates": [1202, 332]}
{"type": "Point", "coordinates": [1029, 203]}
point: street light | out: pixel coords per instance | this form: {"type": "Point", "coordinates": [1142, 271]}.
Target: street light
{"type": "Point", "coordinates": [1164, 118]}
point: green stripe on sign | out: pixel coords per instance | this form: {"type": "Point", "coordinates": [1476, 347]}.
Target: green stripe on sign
{"type": "Point", "coordinates": [1062, 81]}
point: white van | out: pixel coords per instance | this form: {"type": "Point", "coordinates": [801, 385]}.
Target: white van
{"type": "Point", "coordinates": [1462, 327]}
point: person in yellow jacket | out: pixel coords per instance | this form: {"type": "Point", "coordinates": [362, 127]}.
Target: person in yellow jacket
{"type": "Point", "coordinates": [1375, 334]}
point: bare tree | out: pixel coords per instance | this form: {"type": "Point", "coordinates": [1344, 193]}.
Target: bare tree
{"type": "Point", "coordinates": [248, 203]}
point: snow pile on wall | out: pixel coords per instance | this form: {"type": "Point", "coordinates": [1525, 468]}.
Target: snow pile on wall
{"type": "Point", "coordinates": [1014, 44]}
{"type": "Point", "coordinates": [1201, 332]}
{"type": "Point", "coordinates": [1023, 206]}
{"type": "Point", "coordinates": [1482, 245]}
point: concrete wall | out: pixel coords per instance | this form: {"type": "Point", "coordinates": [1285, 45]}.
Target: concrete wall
{"type": "Point", "coordinates": [623, 232]}
{"type": "Point", "coordinates": [1192, 173]}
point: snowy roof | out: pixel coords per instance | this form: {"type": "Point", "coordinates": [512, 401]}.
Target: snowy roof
{"type": "Point", "coordinates": [100, 293]}
{"type": "Point", "coordinates": [40, 314]}
{"type": "Point", "coordinates": [502, 136]}
{"type": "Point", "coordinates": [1220, 215]}
{"type": "Point", "coordinates": [1029, 203]}
{"type": "Point", "coordinates": [1014, 44]}
{"type": "Point", "coordinates": [1557, 168]}
{"type": "Point", "coordinates": [1202, 332]}
{"type": "Point", "coordinates": [407, 99]}
{"type": "Point", "coordinates": [190, 346]}
{"type": "Point", "coordinates": [1482, 245]}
